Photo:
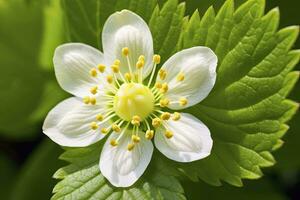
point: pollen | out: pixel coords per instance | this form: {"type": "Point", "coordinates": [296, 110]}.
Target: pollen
{"type": "Point", "coordinates": [162, 74]}
{"type": "Point", "coordinates": [164, 102]}
{"type": "Point", "coordinates": [113, 142]}
{"type": "Point", "coordinates": [94, 125]}
{"type": "Point", "coordinates": [93, 72]}
{"type": "Point", "coordinates": [165, 116]}
{"type": "Point", "coordinates": [168, 134]}
{"type": "Point", "coordinates": [135, 138]}
{"type": "Point", "coordinates": [104, 131]}
{"type": "Point", "coordinates": [127, 76]}
{"type": "Point", "coordinates": [156, 122]}
{"type": "Point", "coordinates": [156, 59]}
{"type": "Point", "coordinates": [183, 101]}
{"type": "Point", "coordinates": [125, 51]}
{"type": "Point", "coordinates": [109, 79]}
{"type": "Point", "coordinates": [140, 64]}
{"type": "Point", "coordinates": [149, 134]}
{"type": "Point", "coordinates": [158, 85]}
{"type": "Point", "coordinates": [115, 68]}
{"type": "Point", "coordinates": [164, 88]}
{"type": "Point", "coordinates": [180, 77]}
{"type": "Point", "coordinates": [117, 62]}
{"type": "Point", "coordinates": [130, 146]}
{"type": "Point", "coordinates": [94, 89]}
{"type": "Point", "coordinates": [101, 68]}
{"type": "Point", "coordinates": [136, 120]}
{"type": "Point", "coordinates": [116, 128]}
{"type": "Point", "coordinates": [86, 100]}
{"type": "Point", "coordinates": [93, 100]}
{"type": "Point", "coordinates": [176, 116]}
{"type": "Point", "coordinates": [142, 58]}
{"type": "Point", "coordinates": [99, 117]}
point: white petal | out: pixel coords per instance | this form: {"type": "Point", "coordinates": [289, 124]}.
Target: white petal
{"type": "Point", "coordinates": [72, 64]}
{"type": "Point", "coordinates": [127, 29]}
{"type": "Point", "coordinates": [122, 167]}
{"type": "Point", "coordinates": [191, 140]}
{"type": "Point", "coordinates": [198, 65]}
{"type": "Point", "coordinates": [68, 124]}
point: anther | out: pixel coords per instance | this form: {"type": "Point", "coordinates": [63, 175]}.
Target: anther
{"type": "Point", "coordinates": [162, 74]}
{"type": "Point", "coordinates": [109, 79]}
{"type": "Point", "coordinates": [136, 120]}
{"type": "Point", "coordinates": [104, 131]}
{"type": "Point", "coordinates": [94, 89]}
{"type": "Point", "coordinates": [125, 51]}
{"type": "Point", "coordinates": [117, 62]}
{"type": "Point", "coordinates": [168, 134]}
{"type": "Point", "coordinates": [164, 102]}
{"type": "Point", "coordinates": [156, 59]}
{"type": "Point", "coordinates": [101, 68]}
{"type": "Point", "coordinates": [113, 143]}
{"type": "Point", "coordinates": [149, 134]}
{"type": "Point", "coordinates": [93, 72]}
{"type": "Point", "coordinates": [130, 146]}
{"type": "Point", "coordinates": [183, 101]}
{"type": "Point", "coordinates": [115, 68]}
{"type": "Point", "coordinates": [94, 125]}
{"type": "Point", "coordinates": [93, 100]}
{"type": "Point", "coordinates": [180, 77]}
{"type": "Point", "coordinates": [176, 116]}
{"type": "Point", "coordinates": [140, 64]}
{"type": "Point", "coordinates": [127, 76]}
{"type": "Point", "coordinates": [165, 116]}
{"type": "Point", "coordinates": [86, 100]}
{"type": "Point", "coordinates": [158, 85]}
{"type": "Point", "coordinates": [164, 88]}
{"type": "Point", "coordinates": [142, 58]}
{"type": "Point", "coordinates": [135, 138]}
{"type": "Point", "coordinates": [116, 128]}
{"type": "Point", "coordinates": [156, 122]}
{"type": "Point", "coordinates": [99, 117]}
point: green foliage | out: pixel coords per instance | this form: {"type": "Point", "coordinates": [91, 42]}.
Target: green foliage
{"type": "Point", "coordinates": [246, 112]}
{"type": "Point", "coordinates": [83, 180]}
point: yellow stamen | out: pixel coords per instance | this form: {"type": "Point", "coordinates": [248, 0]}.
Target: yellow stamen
{"type": "Point", "coordinates": [117, 62]}
{"type": "Point", "coordinates": [158, 85]}
{"type": "Point", "coordinates": [110, 79]}
{"type": "Point", "coordinates": [164, 102]}
{"type": "Point", "coordinates": [127, 76]}
{"type": "Point", "coordinates": [125, 51]}
{"type": "Point", "coordinates": [115, 68]}
{"type": "Point", "coordinates": [156, 122]}
{"type": "Point", "coordinates": [165, 116]}
{"type": "Point", "coordinates": [93, 72]}
{"type": "Point", "coordinates": [136, 120]}
{"type": "Point", "coordinates": [149, 134]}
{"type": "Point", "coordinates": [140, 64]}
{"type": "Point", "coordinates": [104, 131]}
{"type": "Point", "coordinates": [180, 77]}
{"type": "Point", "coordinates": [183, 101]}
{"type": "Point", "coordinates": [93, 100]}
{"type": "Point", "coordinates": [176, 116]}
{"type": "Point", "coordinates": [162, 74]}
{"type": "Point", "coordinates": [168, 134]}
{"type": "Point", "coordinates": [94, 125]}
{"type": "Point", "coordinates": [101, 68]}
{"type": "Point", "coordinates": [116, 128]}
{"type": "Point", "coordinates": [86, 100]}
{"type": "Point", "coordinates": [156, 59]}
{"type": "Point", "coordinates": [130, 147]}
{"type": "Point", "coordinates": [113, 143]}
{"type": "Point", "coordinates": [94, 89]}
{"type": "Point", "coordinates": [164, 88]}
{"type": "Point", "coordinates": [135, 138]}
{"type": "Point", "coordinates": [142, 58]}
{"type": "Point", "coordinates": [99, 117]}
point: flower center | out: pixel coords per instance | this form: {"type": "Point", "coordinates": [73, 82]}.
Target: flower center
{"type": "Point", "coordinates": [133, 99]}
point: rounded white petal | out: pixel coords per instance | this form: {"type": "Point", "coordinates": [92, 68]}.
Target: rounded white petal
{"type": "Point", "coordinates": [69, 123]}
{"type": "Point", "coordinates": [127, 29]}
{"type": "Point", "coordinates": [121, 167]}
{"type": "Point", "coordinates": [72, 65]}
{"type": "Point", "coordinates": [191, 139]}
{"type": "Point", "coordinates": [198, 66]}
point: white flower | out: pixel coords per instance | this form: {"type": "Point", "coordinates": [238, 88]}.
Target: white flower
{"type": "Point", "coordinates": [114, 98]}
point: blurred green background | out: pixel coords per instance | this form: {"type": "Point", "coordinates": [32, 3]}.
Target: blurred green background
{"type": "Point", "coordinates": [29, 32]}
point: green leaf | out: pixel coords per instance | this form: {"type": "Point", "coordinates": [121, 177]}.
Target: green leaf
{"type": "Point", "coordinates": [247, 109]}
{"type": "Point", "coordinates": [85, 19]}
{"type": "Point", "coordinates": [35, 178]}
{"type": "Point", "coordinates": [82, 179]}
{"type": "Point", "coordinates": [8, 171]}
